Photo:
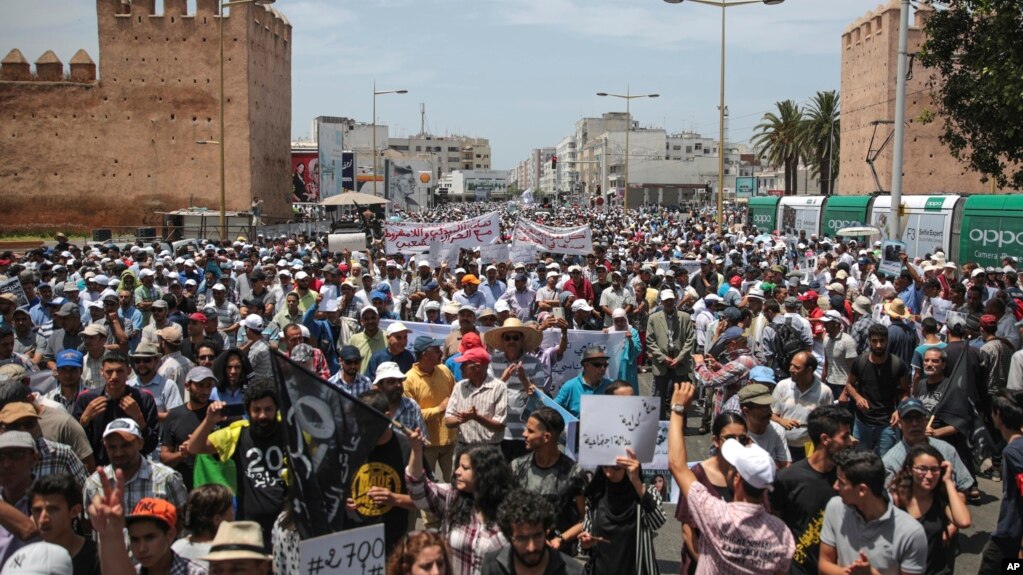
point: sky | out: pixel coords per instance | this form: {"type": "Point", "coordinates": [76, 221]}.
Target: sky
{"type": "Point", "coordinates": [521, 72]}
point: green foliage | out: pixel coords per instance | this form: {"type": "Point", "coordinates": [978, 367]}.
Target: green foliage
{"type": "Point", "coordinates": [976, 50]}
{"type": "Point", "coordinates": [819, 137]}
{"type": "Point", "coordinates": [778, 137]}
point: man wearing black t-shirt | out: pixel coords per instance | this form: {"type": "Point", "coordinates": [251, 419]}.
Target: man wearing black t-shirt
{"type": "Point", "coordinates": [878, 381]}
{"type": "Point", "coordinates": [802, 490]}
{"type": "Point", "coordinates": [257, 447]}
{"type": "Point", "coordinates": [182, 420]}
{"type": "Point", "coordinates": [379, 493]}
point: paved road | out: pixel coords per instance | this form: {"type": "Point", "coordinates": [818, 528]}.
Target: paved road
{"type": "Point", "coordinates": [669, 539]}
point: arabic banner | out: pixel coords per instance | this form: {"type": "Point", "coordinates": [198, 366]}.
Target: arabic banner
{"type": "Point", "coordinates": [417, 236]}
{"type": "Point", "coordinates": [609, 424]}
{"type": "Point", "coordinates": [575, 241]}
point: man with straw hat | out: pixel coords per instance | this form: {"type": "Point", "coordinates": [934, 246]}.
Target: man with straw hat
{"type": "Point", "coordinates": [512, 362]}
{"type": "Point", "coordinates": [902, 338]}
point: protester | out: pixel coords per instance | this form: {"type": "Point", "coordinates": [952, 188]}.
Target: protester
{"type": "Point", "coordinates": [525, 517]}
{"type": "Point", "coordinates": [205, 509]}
{"type": "Point", "coordinates": [420, 553]}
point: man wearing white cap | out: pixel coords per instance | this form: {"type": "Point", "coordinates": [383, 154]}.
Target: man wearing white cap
{"type": "Point", "coordinates": [738, 536]}
{"type": "Point", "coordinates": [396, 350]}
{"type": "Point", "coordinates": [670, 337]}
{"type": "Point", "coordinates": [584, 316]}
{"type": "Point", "coordinates": [146, 294]}
{"type": "Point", "coordinates": [257, 349]}
{"type": "Point", "coordinates": [228, 315]}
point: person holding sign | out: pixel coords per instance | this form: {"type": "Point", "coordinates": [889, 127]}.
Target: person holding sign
{"type": "Point", "coordinates": [738, 536]}
{"type": "Point", "coordinates": [621, 516]}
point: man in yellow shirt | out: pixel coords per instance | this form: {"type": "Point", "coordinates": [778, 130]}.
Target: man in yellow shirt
{"type": "Point", "coordinates": [429, 383]}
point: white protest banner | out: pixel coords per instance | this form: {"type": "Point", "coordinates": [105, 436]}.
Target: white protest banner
{"type": "Point", "coordinates": [522, 253]}
{"type": "Point", "coordinates": [555, 240]}
{"type": "Point", "coordinates": [417, 329]}
{"type": "Point", "coordinates": [350, 242]}
{"type": "Point", "coordinates": [571, 364]}
{"type": "Point", "coordinates": [493, 254]}
{"type": "Point", "coordinates": [351, 551]}
{"type": "Point", "coordinates": [13, 286]}
{"type": "Point", "coordinates": [609, 424]}
{"type": "Point", "coordinates": [418, 236]}
{"type": "Point", "coordinates": [891, 263]}
{"type": "Point", "coordinates": [444, 253]}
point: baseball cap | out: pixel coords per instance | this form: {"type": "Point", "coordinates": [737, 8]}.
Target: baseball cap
{"type": "Point", "coordinates": [791, 301]}
{"type": "Point", "coordinates": [988, 320]}
{"type": "Point", "coordinates": [581, 305]}
{"type": "Point", "coordinates": [197, 316]}
{"type": "Point", "coordinates": [425, 342]}
{"type": "Point", "coordinates": [619, 313]}
{"type": "Point", "coordinates": [199, 373]}
{"type": "Point", "coordinates": [70, 358]}
{"type": "Point", "coordinates": [161, 304]}
{"type": "Point", "coordinates": [396, 327]}
{"type": "Point", "coordinates": [475, 355]}
{"type": "Point", "coordinates": [809, 296]}
{"type": "Point", "coordinates": [666, 294]}
{"type": "Point", "coordinates": [470, 279]}
{"type": "Point", "coordinates": [752, 463]}
{"type": "Point", "coordinates": [762, 374]}
{"type": "Point", "coordinates": [95, 329]}
{"type": "Point", "coordinates": [125, 426]}
{"type": "Point", "coordinates": [17, 410]}
{"type": "Point", "coordinates": [755, 393]}
{"type": "Point", "coordinates": [171, 333]}
{"type": "Point", "coordinates": [909, 405]}
{"type": "Point", "coordinates": [349, 353]}
{"type": "Point", "coordinates": [69, 309]}
{"type": "Point", "coordinates": [253, 321]}
{"type": "Point", "coordinates": [731, 333]}
{"type": "Point", "coordinates": [153, 508]}
{"type": "Point", "coordinates": [377, 294]}
{"type": "Point", "coordinates": [17, 439]}
{"type": "Point", "coordinates": [831, 315]}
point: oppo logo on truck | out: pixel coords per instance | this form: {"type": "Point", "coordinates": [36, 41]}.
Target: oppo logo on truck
{"type": "Point", "coordinates": [839, 224]}
{"type": "Point", "coordinates": [997, 237]}
{"type": "Point", "coordinates": [761, 218]}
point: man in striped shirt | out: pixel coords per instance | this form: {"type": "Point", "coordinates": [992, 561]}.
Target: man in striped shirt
{"type": "Point", "coordinates": [478, 407]}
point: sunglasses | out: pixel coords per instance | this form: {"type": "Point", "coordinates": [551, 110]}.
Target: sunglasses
{"type": "Point", "coordinates": [599, 364]}
{"type": "Point", "coordinates": [207, 357]}
{"type": "Point", "coordinates": [511, 337]}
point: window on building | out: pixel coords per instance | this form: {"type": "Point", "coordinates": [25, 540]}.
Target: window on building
{"type": "Point", "coordinates": [699, 146]}
{"type": "Point", "coordinates": [689, 149]}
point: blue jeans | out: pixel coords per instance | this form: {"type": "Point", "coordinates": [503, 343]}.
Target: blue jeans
{"type": "Point", "coordinates": [877, 438]}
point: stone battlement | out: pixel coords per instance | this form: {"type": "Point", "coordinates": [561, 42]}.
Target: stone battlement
{"type": "Point", "coordinates": [49, 68]}
{"type": "Point", "coordinates": [882, 20]}
{"type": "Point", "coordinates": [143, 13]}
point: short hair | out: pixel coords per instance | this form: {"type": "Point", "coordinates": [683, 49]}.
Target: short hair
{"type": "Point", "coordinates": [114, 357]}
{"type": "Point", "coordinates": [550, 419]}
{"type": "Point", "coordinates": [941, 353]}
{"type": "Point", "coordinates": [57, 484]}
{"type": "Point", "coordinates": [863, 468]}
{"type": "Point", "coordinates": [260, 389]}
{"type": "Point", "coordinates": [290, 327]}
{"type": "Point", "coordinates": [523, 506]}
{"type": "Point", "coordinates": [811, 360]}
{"type": "Point", "coordinates": [877, 330]}
{"type": "Point", "coordinates": [827, 419]}
{"type": "Point", "coordinates": [375, 399]}
{"type": "Point", "coordinates": [1009, 406]}
{"type": "Point", "coordinates": [616, 385]}
{"type": "Point", "coordinates": [203, 504]}
{"type": "Point", "coordinates": [929, 325]}
{"type": "Point", "coordinates": [772, 305]}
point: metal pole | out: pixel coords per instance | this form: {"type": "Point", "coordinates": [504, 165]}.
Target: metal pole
{"type": "Point", "coordinates": [603, 174]}
{"type": "Point", "coordinates": [223, 142]}
{"type": "Point", "coordinates": [900, 122]}
{"type": "Point", "coordinates": [374, 137]}
{"type": "Point", "coordinates": [721, 134]}
{"type": "Point", "coordinates": [628, 128]}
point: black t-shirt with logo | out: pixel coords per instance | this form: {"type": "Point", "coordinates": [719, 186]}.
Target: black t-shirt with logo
{"type": "Point", "coordinates": [799, 497]}
{"type": "Point", "coordinates": [261, 490]}
{"type": "Point", "coordinates": [385, 467]}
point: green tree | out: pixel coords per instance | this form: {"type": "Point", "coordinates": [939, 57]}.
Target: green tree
{"type": "Point", "coordinates": [819, 138]}
{"type": "Point", "coordinates": [778, 137]}
{"type": "Point", "coordinates": [975, 48]}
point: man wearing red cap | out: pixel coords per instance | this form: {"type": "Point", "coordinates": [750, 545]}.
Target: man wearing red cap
{"type": "Point", "coordinates": [478, 405]}
{"type": "Point", "coordinates": [809, 299]}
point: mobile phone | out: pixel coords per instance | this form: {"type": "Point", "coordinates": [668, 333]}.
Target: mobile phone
{"type": "Point", "coordinates": [558, 312]}
{"type": "Point", "coordinates": [234, 411]}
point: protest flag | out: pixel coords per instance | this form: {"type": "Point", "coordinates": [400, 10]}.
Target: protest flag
{"type": "Point", "coordinates": [957, 407]}
{"type": "Point", "coordinates": [329, 434]}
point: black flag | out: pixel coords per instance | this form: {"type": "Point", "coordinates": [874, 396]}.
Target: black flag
{"type": "Point", "coordinates": [957, 406]}
{"type": "Point", "coordinates": [329, 434]}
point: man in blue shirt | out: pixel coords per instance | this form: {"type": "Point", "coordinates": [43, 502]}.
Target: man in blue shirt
{"type": "Point", "coordinates": [592, 381]}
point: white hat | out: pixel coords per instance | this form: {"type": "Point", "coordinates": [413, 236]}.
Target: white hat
{"type": "Point", "coordinates": [431, 305]}
{"type": "Point", "coordinates": [423, 263]}
{"type": "Point", "coordinates": [618, 312]}
{"type": "Point", "coordinates": [752, 463]}
{"type": "Point", "coordinates": [581, 305]}
{"type": "Point", "coordinates": [123, 425]}
{"type": "Point", "coordinates": [219, 287]}
{"type": "Point", "coordinates": [501, 305]}
{"type": "Point", "coordinates": [553, 275]}
{"type": "Point", "coordinates": [96, 329]}
{"type": "Point", "coordinates": [396, 327]}
{"type": "Point", "coordinates": [301, 276]}
{"type": "Point", "coordinates": [388, 370]}
{"type": "Point", "coordinates": [831, 315]}
{"type": "Point", "coordinates": [146, 273]}
{"type": "Point", "coordinates": [756, 292]}
{"type": "Point", "coordinates": [977, 272]}
{"type": "Point", "coordinates": [253, 321]}
{"type": "Point", "coordinates": [667, 294]}
{"type": "Point", "coordinates": [39, 558]}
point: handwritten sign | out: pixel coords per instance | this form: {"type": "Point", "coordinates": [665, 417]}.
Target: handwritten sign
{"type": "Point", "coordinates": [444, 253]}
{"type": "Point", "coordinates": [522, 253]}
{"type": "Point", "coordinates": [494, 254]}
{"type": "Point", "coordinates": [13, 286]}
{"type": "Point", "coordinates": [555, 240]}
{"type": "Point", "coordinates": [571, 362]}
{"type": "Point", "coordinates": [403, 237]}
{"type": "Point", "coordinates": [610, 424]}
{"type": "Point", "coordinates": [358, 551]}
{"type": "Point", "coordinates": [351, 242]}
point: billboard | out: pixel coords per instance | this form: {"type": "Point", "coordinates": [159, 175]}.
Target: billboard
{"type": "Point", "coordinates": [348, 171]}
{"type": "Point", "coordinates": [745, 187]}
{"type": "Point", "coordinates": [305, 176]}
{"type": "Point", "coordinates": [404, 184]}
{"type": "Point", "coordinates": [330, 141]}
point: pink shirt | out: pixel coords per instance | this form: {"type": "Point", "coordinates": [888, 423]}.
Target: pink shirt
{"type": "Point", "coordinates": [738, 538]}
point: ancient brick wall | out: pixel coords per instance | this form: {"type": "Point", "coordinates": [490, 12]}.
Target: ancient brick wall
{"type": "Point", "coordinates": [113, 151]}
{"type": "Point", "coordinates": [869, 64]}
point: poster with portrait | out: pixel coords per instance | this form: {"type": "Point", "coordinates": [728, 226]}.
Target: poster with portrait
{"type": "Point", "coordinates": [891, 254]}
{"type": "Point", "coordinates": [305, 177]}
{"type": "Point", "coordinates": [330, 142]}
{"type": "Point", "coordinates": [405, 184]}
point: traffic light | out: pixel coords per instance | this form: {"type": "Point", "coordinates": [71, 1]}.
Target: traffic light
{"type": "Point", "coordinates": [554, 162]}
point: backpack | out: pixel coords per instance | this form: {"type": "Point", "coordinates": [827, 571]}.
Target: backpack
{"type": "Point", "coordinates": [787, 343]}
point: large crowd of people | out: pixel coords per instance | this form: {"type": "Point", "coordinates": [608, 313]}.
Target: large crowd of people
{"type": "Point", "coordinates": [849, 411]}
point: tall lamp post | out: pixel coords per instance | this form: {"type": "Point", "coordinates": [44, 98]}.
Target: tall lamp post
{"type": "Point", "coordinates": [223, 185]}
{"type": "Point", "coordinates": [628, 97]}
{"type": "Point", "coordinates": [723, 4]}
{"type": "Point", "coordinates": [375, 94]}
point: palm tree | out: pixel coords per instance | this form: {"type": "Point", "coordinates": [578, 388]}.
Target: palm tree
{"type": "Point", "coordinates": [778, 137]}
{"type": "Point", "coordinates": [819, 138]}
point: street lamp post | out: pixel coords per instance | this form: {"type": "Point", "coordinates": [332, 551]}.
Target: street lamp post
{"type": "Point", "coordinates": [723, 4]}
{"type": "Point", "coordinates": [223, 184]}
{"type": "Point", "coordinates": [375, 94]}
{"type": "Point", "coordinates": [628, 97]}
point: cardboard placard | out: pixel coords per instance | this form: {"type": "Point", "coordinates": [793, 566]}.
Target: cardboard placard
{"type": "Point", "coordinates": [890, 262]}
{"type": "Point", "coordinates": [352, 242]}
{"type": "Point", "coordinates": [351, 551]}
{"type": "Point", "coordinates": [13, 285]}
{"type": "Point", "coordinates": [609, 424]}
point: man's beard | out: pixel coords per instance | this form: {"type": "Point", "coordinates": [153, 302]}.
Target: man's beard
{"type": "Point", "coordinates": [264, 429]}
{"type": "Point", "coordinates": [526, 562]}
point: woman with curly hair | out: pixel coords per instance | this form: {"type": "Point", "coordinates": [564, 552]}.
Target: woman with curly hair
{"type": "Point", "coordinates": [467, 507]}
{"type": "Point", "coordinates": [925, 489]}
{"type": "Point", "coordinates": [420, 553]}
{"type": "Point", "coordinates": [621, 517]}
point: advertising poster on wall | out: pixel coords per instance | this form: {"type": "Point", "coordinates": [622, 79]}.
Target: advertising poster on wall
{"type": "Point", "coordinates": [348, 171]}
{"type": "Point", "coordinates": [305, 177]}
{"type": "Point", "coordinates": [745, 187]}
{"type": "Point", "coordinates": [331, 156]}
